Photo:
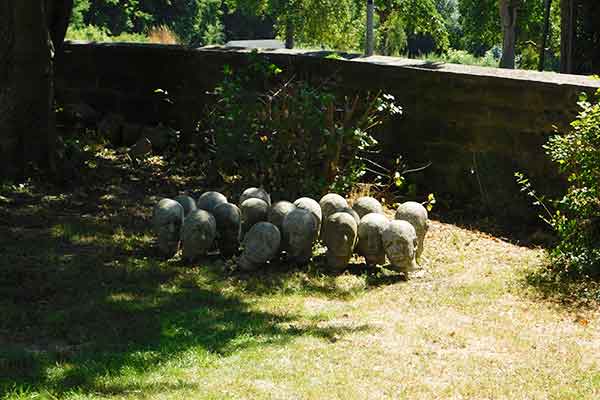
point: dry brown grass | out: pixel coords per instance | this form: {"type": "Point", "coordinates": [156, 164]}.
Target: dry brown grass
{"type": "Point", "coordinates": [162, 34]}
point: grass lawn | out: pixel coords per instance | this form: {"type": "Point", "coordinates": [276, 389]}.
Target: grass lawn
{"type": "Point", "coordinates": [88, 310]}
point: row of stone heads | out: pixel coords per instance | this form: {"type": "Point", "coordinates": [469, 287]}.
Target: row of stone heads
{"type": "Point", "coordinates": [263, 230]}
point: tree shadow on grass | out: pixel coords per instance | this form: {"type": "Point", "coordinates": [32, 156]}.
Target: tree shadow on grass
{"type": "Point", "coordinates": [573, 293]}
{"type": "Point", "coordinates": [96, 301]}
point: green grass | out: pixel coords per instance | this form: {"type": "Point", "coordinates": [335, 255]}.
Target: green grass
{"type": "Point", "coordinates": [88, 310]}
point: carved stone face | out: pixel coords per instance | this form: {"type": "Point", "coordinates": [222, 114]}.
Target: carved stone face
{"type": "Point", "coordinates": [339, 234]}
{"type": "Point", "coordinates": [261, 244]}
{"type": "Point", "coordinates": [416, 215]}
{"type": "Point", "coordinates": [370, 242]}
{"type": "Point", "coordinates": [366, 205]}
{"type": "Point", "coordinates": [256, 193]}
{"type": "Point", "coordinates": [229, 225]}
{"type": "Point", "coordinates": [400, 244]}
{"type": "Point", "coordinates": [300, 230]}
{"type": "Point", "coordinates": [209, 200]}
{"type": "Point", "coordinates": [199, 233]}
{"type": "Point", "coordinates": [167, 220]}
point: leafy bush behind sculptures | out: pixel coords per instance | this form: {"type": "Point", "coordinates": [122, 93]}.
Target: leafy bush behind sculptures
{"type": "Point", "coordinates": [272, 129]}
{"type": "Point", "coordinates": [576, 218]}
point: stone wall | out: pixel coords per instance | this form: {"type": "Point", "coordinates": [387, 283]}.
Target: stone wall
{"type": "Point", "coordinates": [477, 126]}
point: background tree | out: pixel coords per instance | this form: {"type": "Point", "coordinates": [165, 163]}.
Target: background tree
{"type": "Point", "coordinates": [30, 33]}
{"type": "Point", "coordinates": [399, 19]}
{"type": "Point", "coordinates": [509, 10]}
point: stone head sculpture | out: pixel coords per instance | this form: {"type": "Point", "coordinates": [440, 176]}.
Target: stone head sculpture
{"type": "Point", "coordinates": [255, 193]}
{"type": "Point", "coordinates": [300, 231]}
{"type": "Point", "coordinates": [229, 228]}
{"type": "Point", "coordinates": [167, 220]}
{"type": "Point", "coordinates": [330, 203]}
{"type": "Point", "coordinates": [340, 234]}
{"type": "Point", "coordinates": [253, 211]}
{"type": "Point", "coordinates": [370, 242]}
{"type": "Point", "coordinates": [416, 214]}
{"type": "Point", "coordinates": [199, 233]}
{"type": "Point", "coordinates": [278, 211]}
{"type": "Point", "coordinates": [311, 205]}
{"type": "Point", "coordinates": [209, 200]}
{"type": "Point", "coordinates": [400, 244]}
{"type": "Point", "coordinates": [350, 211]}
{"type": "Point", "coordinates": [188, 204]}
{"type": "Point", "coordinates": [366, 205]}
{"type": "Point", "coordinates": [261, 244]}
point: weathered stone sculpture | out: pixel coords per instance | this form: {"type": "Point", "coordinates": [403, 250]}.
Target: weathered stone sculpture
{"type": "Point", "coordinates": [255, 193]}
{"type": "Point", "coordinates": [209, 200]}
{"type": "Point", "coordinates": [366, 205]}
{"type": "Point", "coordinates": [253, 211]}
{"type": "Point", "coordinates": [167, 220]}
{"type": "Point", "coordinates": [199, 233]}
{"type": "Point", "coordinates": [229, 228]}
{"type": "Point", "coordinates": [340, 234]}
{"type": "Point", "coordinates": [416, 214]}
{"type": "Point", "coordinates": [278, 211]}
{"type": "Point", "coordinates": [350, 211]}
{"type": "Point", "coordinates": [311, 205]}
{"type": "Point", "coordinates": [330, 203]}
{"type": "Point", "coordinates": [400, 243]}
{"type": "Point", "coordinates": [261, 244]}
{"type": "Point", "coordinates": [300, 231]}
{"type": "Point", "coordinates": [370, 242]}
{"type": "Point", "coordinates": [187, 203]}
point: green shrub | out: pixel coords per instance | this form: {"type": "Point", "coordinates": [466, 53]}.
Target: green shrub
{"type": "Point", "coordinates": [453, 56]}
{"type": "Point", "coordinates": [289, 135]}
{"type": "Point", "coordinates": [577, 220]}
{"type": "Point", "coordinates": [91, 33]}
{"type": "Point", "coordinates": [576, 216]}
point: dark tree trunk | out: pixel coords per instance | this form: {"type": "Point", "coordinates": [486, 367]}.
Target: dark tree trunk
{"type": "Point", "coordinates": [567, 36]}
{"type": "Point", "coordinates": [370, 29]}
{"type": "Point", "coordinates": [289, 34]}
{"type": "Point", "coordinates": [508, 18]}
{"type": "Point", "coordinates": [27, 126]}
{"type": "Point", "coordinates": [547, 9]}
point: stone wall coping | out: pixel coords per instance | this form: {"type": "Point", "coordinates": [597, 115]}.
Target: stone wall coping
{"type": "Point", "coordinates": [585, 82]}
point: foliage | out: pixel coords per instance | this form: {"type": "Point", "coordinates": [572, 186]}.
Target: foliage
{"type": "Point", "coordinates": [195, 22]}
{"type": "Point", "coordinates": [452, 56]}
{"type": "Point", "coordinates": [576, 218]}
{"type": "Point", "coordinates": [481, 29]}
{"type": "Point", "coordinates": [416, 16]}
{"type": "Point", "coordinates": [289, 135]}
{"type": "Point", "coordinates": [93, 33]}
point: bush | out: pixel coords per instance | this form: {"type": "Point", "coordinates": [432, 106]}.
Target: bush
{"type": "Point", "coordinates": [91, 33]}
{"type": "Point", "coordinates": [576, 218]}
{"type": "Point", "coordinates": [293, 137]}
{"type": "Point", "coordinates": [453, 56]}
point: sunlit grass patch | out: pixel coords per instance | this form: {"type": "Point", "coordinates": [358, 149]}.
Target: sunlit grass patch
{"type": "Point", "coordinates": [90, 310]}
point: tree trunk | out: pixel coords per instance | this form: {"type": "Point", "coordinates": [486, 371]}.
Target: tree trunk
{"type": "Point", "coordinates": [547, 9]}
{"type": "Point", "coordinates": [370, 36]}
{"type": "Point", "coordinates": [383, 15]}
{"type": "Point", "coordinates": [508, 18]}
{"type": "Point", "coordinates": [27, 125]}
{"type": "Point", "coordinates": [567, 35]}
{"type": "Point", "coordinates": [289, 34]}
